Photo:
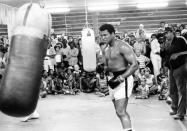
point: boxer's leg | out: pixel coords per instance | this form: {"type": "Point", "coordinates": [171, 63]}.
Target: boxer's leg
{"type": "Point", "coordinates": [120, 102]}
{"type": "Point", "coordinates": [120, 107]}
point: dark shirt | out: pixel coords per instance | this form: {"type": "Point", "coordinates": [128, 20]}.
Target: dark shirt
{"type": "Point", "coordinates": [178, 44]}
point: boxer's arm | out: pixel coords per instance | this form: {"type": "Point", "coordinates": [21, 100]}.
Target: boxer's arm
{"type": "Point", "coordinates": [130, 57]}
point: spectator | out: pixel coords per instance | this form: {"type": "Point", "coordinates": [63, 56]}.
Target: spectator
{"type": "Point", "coordinates": [49, 61]}
{"type": "Point", "coordinates": [140, 45]}
{"type": "Point", "coordinates": [72, 54]}
{"type": "Point", "coordinates": [150, 81]}
{"type": "Point", "coordinates": [142, 60]}
{"type": "Point", "coordinates": [155, 55]}
{"type": "Point", "coordinates": [163, 82]}
{"type": "Point", "coordinates": [102, 88]}
{"type": "Point", "coordinates": [58, 56]}
{"type": "Point", "coordinates": [143, 90]}
{"type": "Point", "coordinates": [88, 82]}
{"type": "Point", "coordinates": [141, 33]}
{"type": "Point", "coordinates": [177, 32]}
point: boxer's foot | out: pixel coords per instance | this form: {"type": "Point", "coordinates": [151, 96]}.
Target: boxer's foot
{"type": "Point", "coordinates": [179, 117]}
{"type": "Point", "coordinates": [129, 129]}
{"type": "Point", "coordinates": [173, 113]}
{"type": "Point", "coordinates": [34, 115]}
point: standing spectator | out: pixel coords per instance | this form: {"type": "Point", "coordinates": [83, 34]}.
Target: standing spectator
{"type": "Point", "coordinates": [162, 25]}
{"type": "Point", "coordinates": [177, 32]}
{"type": "Point", "coordinates": [72, 54]}
{"type": "Point", "coordinates": [64, 51]}
{"type": "Point", "coordinates": [53, 40]}
{"type": "Point", "coordinates": [70, 39]}
{"type": "Point", "coordinates": [141, 33]}
{"type": "Point", "coordinates": [58, 56]}
{"type": "Point", "coordinates": [49, 60]}
{"type": "Point", "coordinates": [177, 75]}
{"type": "Point", "coordinates": [140, 45]}
{"type": "Point", "coordinates": [142, 60]}
{"type": "Point", "coordinates": [80, 58]}
{"type": "Point", "coordinates": [155, 55]}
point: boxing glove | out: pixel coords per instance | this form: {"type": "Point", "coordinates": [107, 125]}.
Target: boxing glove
{"type": "Point", "coordinates": [115, 81]}
{"type": "Point", "coordinates": [19, 89]}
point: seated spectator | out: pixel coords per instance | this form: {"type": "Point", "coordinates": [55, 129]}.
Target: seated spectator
{"type": "Point", "coordinates": [150, 81]}
{"type": "Point", "coordinates": [163, 82]}
{"type": "Point", "coordinates": [88, 82]}
{"type": "Point", "coordinates": [138, 76]}
{"type": "Point", "coordinates": [102, 88]}
{"type": "Point", "coordinates": [47, 82]}
{"type": "Point", "coordinates": [141, 75]}
{"type": "Point", "coordinates": [77, 75]}
{"type": "Point", "coordinates": [143, 90]}
{"type": "Point", "coordinates": [2, 62]}
{"type": "Point", "coordinates": [58, 85]}
{"type": "Point", "coordinates": [43, 91]}
{"type": "Point", "coordinates": [69, 84]}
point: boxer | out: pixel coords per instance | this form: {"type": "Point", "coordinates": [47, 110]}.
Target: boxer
{"type": "Point", "coordinates": [121, 61]}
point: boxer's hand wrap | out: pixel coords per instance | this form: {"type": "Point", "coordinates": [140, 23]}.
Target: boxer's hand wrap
{"type": "Point", "coordinates": [115, 81]}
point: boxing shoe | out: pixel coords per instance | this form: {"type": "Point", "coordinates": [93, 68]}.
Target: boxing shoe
{"type": "Point", "coordinates": [178, 117]}
{"type": "Point", "coordinates": [173, 113]}
{"type": "Point", "coordinates": [34, 115]}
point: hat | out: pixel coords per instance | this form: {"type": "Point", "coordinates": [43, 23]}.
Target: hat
{"type": "Point", "coordinates": [184, 31]}
{"type": "Point", "coordinates": [167, 29]}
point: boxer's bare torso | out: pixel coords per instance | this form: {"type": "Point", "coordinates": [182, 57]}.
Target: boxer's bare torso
{"type": "Point", "coordinates": [116, 57]}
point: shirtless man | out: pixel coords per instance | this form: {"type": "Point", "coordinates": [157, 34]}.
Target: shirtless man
{"type": "Point", "coordinates": [121, 61]}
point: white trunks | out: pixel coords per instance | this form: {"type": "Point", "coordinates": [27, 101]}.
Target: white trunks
{"type": "Point", "coordinates": [120, 92]}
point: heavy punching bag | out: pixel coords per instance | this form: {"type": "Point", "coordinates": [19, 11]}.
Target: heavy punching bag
{"type": "Point", "coordinates": [19, 89]}
{"type": "Point", "coordinates": [88, 50]}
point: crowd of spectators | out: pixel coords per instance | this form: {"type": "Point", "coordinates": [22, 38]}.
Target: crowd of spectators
{"type": "Point", "coordinates": [63, 71]}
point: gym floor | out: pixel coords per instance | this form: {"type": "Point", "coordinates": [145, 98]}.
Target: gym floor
{"type": "Point", "coordinates": [88, 112]}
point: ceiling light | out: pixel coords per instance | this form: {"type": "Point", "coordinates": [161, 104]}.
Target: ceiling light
{"type": "Point", "coordinates": [152, 5]}
{"type": "Point", "coordinates": [57, 8]}
{"type": "Point", "coordinates": [103, 7]}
